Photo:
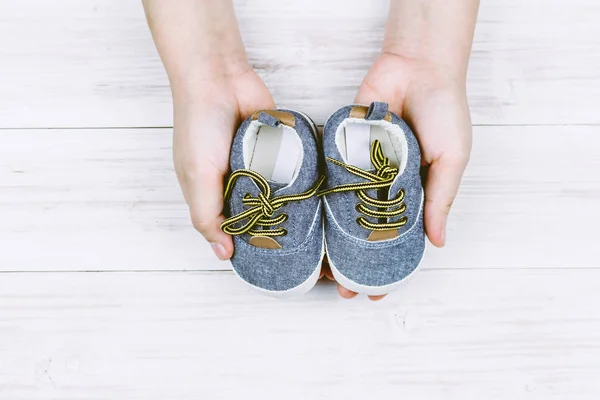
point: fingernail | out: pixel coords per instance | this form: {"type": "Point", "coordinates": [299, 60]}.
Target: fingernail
{"type": "Point", "coordinates": [444, 236]}
{"type": "Point", "coordinates": [219, 250]}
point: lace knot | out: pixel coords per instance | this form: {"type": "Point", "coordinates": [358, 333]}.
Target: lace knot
{"type": "Point", "coordinates": [387, 172]}
{"type": "Point", "coordinates": [262, 207]}
{"type": "Point", "coordinates": [267, 208]}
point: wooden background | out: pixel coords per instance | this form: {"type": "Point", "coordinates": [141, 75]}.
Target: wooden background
{"type": "Point", "coordinates": [106, 291]}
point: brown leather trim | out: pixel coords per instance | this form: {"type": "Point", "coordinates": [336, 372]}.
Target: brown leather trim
{"type": "Point", "coordinates": [284, 117]}
{"type": "Point", "coordinates": [360, 112]}
{"type": "Point", "coordinates": [377, 236]}
{"type": "Point", "coordinates": [265, 242]}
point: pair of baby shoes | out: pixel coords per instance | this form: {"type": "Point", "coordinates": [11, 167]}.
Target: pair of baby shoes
{"type": "Point", "coordinates": [356, 196]}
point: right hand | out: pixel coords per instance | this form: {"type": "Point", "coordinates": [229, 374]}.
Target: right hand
{"type": "Point", "coordinates": [205, 120]}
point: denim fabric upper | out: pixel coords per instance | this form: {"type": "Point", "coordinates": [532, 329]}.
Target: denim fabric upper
{"type": "Point", "coordinates": [372, 263]}
{"type": "Point", "coordinates": [288, 267]}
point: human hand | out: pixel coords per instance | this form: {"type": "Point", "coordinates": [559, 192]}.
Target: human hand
{"type": "Point", "coordinates": [214, 88]}
{"type": "Point", "coordinates": [205, 120]}
{"type": "Point", "coordinates": [432, 99]}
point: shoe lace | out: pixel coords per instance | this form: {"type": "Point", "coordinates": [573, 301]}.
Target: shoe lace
{"type": "Point", "coordinates": [263, 207]}
{"type": "Point", "coordinates": [382, 179]}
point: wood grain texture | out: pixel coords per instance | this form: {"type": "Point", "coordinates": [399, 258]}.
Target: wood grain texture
{"type": "Point", "coordinates": [509, 310]}
{"type": "Point", "coordinates": [92, 63]}
{"type": "Point", "coordinates": [109, 200]}
{"type": "Point", "coordinates": [518, 334]}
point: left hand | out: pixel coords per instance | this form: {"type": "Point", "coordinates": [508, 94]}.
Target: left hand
{"type": "Point", "coordinates": [433, 101]}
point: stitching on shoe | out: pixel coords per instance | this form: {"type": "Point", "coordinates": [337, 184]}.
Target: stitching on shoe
{"type": "Point", "coordinates": [373, 245]}
{"type": "Point", "coordinates": [280, 252]}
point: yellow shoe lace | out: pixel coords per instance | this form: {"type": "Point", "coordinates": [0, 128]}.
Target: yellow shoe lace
{"type": "Point", "coordinates": [263, 207]}
{"type": "Point", "coordinates": [381, 179]}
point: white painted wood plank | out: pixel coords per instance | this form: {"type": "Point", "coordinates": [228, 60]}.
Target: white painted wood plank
{"type": "Point", "coordinates": [518, 334]}
{"type": "Point", "coordinates": [109, 200]}
{"type": "Point", "coordinates": [73, 63]}
{"type": "Point", "coordinates": [94, 200]}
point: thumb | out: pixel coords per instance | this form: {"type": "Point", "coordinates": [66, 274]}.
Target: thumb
{"type": "Point", "coordinates": [205, 199]}
{"type": "Point", "coordinates": [442, 184]}
{"type": "Point", "coordinates": [365, 95]}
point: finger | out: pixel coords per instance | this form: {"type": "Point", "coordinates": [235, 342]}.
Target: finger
{"type": "Point", "coordinates": [345, 293]}
{"type": "Point", "coordinates": [383, 88]}
{"type": "Point", "coordinates": [442, 184]}
{"type": "Point", "coordinates": [365, 94]}
{"type": "Point", "coordinates": [324, 266]}
{"type": "Point", "coordinates": [326, 270]}
{"type": "Point", "coordinates": [329, 274]}
{"type": "Point", "coordinates": [209, 225]}
{"type": "Point", "coordinates": [377, 298]}
{"type": "Point", "coordinates": [205, 199]}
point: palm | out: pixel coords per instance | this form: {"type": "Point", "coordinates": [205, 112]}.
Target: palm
{"type": "Point", "coordinates": [435, 106]}
{"type": "Point", "coordinates": [425, 98]}
{"type": "Point", "coordinates": [204, 129]}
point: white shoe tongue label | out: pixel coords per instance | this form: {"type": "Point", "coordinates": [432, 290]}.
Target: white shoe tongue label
{"type": "Point", "coordinates": [358, 145]}
{"type": "Point", "coordinates": [287, 158]}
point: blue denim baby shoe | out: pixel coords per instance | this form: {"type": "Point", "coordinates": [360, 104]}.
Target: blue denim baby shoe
{"type": "Point", "coordinates": [374, 199]}
{"type": "Point", "coordinates": [275, 215]}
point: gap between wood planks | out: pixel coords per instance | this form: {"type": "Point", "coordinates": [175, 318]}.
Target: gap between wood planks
{"type": "Point", "coordinates": [100, 128]}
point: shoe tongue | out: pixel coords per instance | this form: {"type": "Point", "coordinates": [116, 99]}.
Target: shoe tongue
{"type": "Point", "coordinates": [358, 146]}
{"type": "Point", "coordinates": [396, 186]}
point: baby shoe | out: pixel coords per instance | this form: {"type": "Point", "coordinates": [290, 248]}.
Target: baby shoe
{"type": "Point", "coordinates": [275, 215]}
{"type": "Point", "coordinates": [373, 200]}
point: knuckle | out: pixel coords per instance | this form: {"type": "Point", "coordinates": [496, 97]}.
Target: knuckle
{"type": "Point", "coordinates": [187, 172]}
{"type": "Point", "coordinates": [460, 158]}
{"type": "Point", "coordinates": [200, 222]}
{"type": "Point", "coordinates": [441, 204]}
{"type": "Point", "coordinates": [465, 157]}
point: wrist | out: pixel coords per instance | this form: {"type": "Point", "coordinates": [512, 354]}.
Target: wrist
{"type": "Point", "coordinates": [434, 32]}
{"type": "Point", "coordinates": [424, 60]}
{"type": "Point", "coordinates": [198, 42]}
{"type": "Point", "coordinates": [423, 71]}
{"type": "Point", "coordinates": [200, 78]}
